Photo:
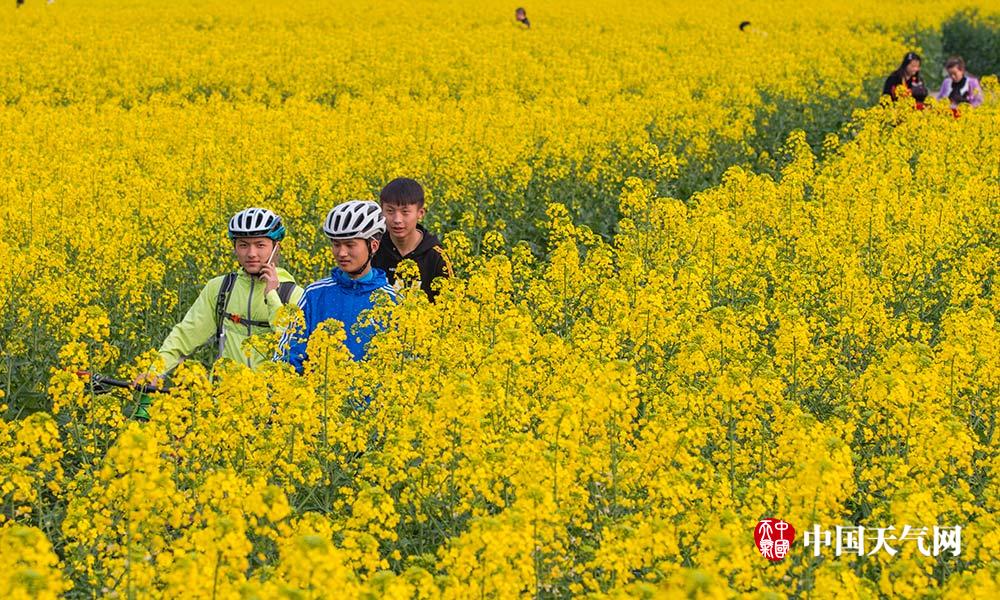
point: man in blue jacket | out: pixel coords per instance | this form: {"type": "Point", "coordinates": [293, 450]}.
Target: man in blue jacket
{"type": "Point", "coordinates": [355, 229]}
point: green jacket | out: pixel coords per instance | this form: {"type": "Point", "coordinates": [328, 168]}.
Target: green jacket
{"type": "Point", "coordinates": [246, 300]}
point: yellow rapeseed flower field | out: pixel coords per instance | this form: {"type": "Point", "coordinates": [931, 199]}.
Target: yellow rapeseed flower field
{"type": "Point", "coordinates": [703, 277]}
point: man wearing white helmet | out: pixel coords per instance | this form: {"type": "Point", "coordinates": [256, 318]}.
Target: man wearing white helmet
{"type": "Point", "coordinates": [232, 307]}
{"type": "Point", "coordinates": [355, 229]}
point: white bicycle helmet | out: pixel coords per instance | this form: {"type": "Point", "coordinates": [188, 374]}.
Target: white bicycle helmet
{"type": "Point", "coordinates": [355, 219]}
{"type": "Point", "coordinates": [256, 222]}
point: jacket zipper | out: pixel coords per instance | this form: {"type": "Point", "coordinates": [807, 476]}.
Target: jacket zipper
{"type": "Point", "coordinates": [250, 314]}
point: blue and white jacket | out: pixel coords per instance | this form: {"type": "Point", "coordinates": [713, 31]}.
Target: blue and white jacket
{"type": "Point", "coordinates": [336, 297]}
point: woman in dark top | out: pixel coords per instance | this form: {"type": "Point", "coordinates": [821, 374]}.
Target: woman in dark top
{"type": "Point", "coordinates": [907, 74]}
{"type": "Point", "coordinates": [522, 17]}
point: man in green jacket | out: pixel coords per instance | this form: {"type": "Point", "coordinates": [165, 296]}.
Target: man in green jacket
{"type": "Point", "coordinates": [232, 307]}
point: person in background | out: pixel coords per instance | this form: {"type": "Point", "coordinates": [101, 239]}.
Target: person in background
{"type": "Point", "coordinates": [960, 86]}
{"type": "Point", "coordinates": [522, 17]}
{"type": "Point", "coordinates": [908, 74]}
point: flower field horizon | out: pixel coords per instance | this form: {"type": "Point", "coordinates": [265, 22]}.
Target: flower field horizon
{"type": "Point", "coordinates": [704, 277]}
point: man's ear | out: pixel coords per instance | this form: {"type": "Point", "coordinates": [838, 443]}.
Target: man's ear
{"type": "Point", "coordinates": [375, 244]}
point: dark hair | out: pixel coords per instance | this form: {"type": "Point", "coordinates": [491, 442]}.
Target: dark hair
{"type": "Point", "coordinates": [910, 57]}
{"type": "Point", "coordinates": [402, 191]}
{"type": "Point", "coordinates": [954, 61]}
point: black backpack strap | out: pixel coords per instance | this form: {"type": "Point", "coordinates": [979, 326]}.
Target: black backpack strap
{"type": "Point", "coordinates": [221, 302]}
{"type": "Point", "coordinates": [285, 289]}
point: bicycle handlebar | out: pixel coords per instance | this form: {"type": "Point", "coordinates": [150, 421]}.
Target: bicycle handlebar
{"type": "Point", "coordinates": [102, 382]}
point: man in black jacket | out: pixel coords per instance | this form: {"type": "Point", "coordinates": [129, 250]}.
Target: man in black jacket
{"type": "Point", "coordinates": [402, 202]}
